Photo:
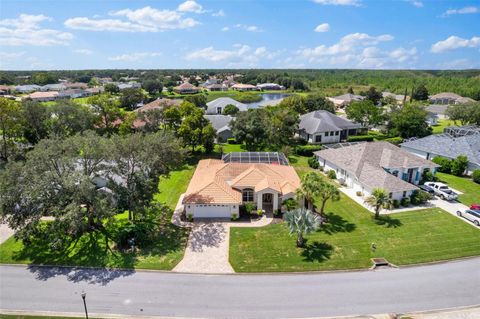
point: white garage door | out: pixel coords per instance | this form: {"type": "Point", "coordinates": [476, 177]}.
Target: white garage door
{"type": "Point", "coordinates": [212, 212]}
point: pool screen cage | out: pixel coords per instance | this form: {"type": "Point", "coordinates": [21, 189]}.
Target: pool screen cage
{"type": "Point", "coordinates": [255, 157]}
{"type": "Point", "coordinates": [458, 131]}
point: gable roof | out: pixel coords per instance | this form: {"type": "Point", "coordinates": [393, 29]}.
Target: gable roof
{"type": "Point", "coordinates": [186, 86]}
{"type": "Point", "coordinates": [215, 181]}
{"type": "Point", "coordinates": [448, 146]}
{"type": "Point", "coordinates": [158, 104]}
{"type": "Point", "coordinates": [222, 102]}
{"type": "Point", "coordinates": [324, 121]}
{"type": "Point", "coordinates": [219, 122]}
{"type": "Point", "coordinates": [368, 161]}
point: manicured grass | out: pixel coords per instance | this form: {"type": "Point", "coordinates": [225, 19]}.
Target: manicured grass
{"type": "Point", "coordinates": [442, 123]}
{"type": "Point", "coordinates": [344, 243]}
{"type": "Point", "coordinates": [228, 148]}
{"type": "Point", "coordinates": [470, 189]}
{"type": "Point", "coordinates": [172, 186]}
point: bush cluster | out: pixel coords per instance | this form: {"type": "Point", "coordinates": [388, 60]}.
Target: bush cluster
{"type": "Point", "coordinates": [307, 150]}
{"type": "Point", "coordinates": [331, 174]}
{"type": "Point", "coordinates": [360, 138]}
{"type": "Point", "coordinates": [313, 162]}
{"type": "Point", "coordinates": [476, 176]}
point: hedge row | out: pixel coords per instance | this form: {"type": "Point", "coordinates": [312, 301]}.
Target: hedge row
{"type": "Point", "coordinates": [307, 150]}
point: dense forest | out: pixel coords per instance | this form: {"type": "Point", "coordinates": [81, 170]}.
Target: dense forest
{"type": "Point", "coordinates": [331, 82]}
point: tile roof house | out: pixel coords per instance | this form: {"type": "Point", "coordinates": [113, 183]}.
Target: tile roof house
{"type": "Point", "coordinates": [449, 98]}
{"type": "Point", "coordinates": [221, 124]}
{"type": "Point", "coordinates": [219, 187]}
{"type": "Point", "coordinates": [243, 87]}
{"type": "Point", "coordinates": [216, 106]}
{"type": "Point", "coordinates": [345, 99]}
{"type": "Point", "coordinates": [449, 146]}
{"type": "Point", "coordinates": [366, 166]}
{"type": "Point", "coordinates": [43, 96]}
{"type": "Point", "coordinates": [325, 127]}
{"type": "Point", "coordinates": [186, 88]}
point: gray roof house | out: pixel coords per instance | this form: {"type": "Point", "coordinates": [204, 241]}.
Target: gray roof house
{"type": "Point", "coordinates": [448, 145]}
{"type": "Point", "coordinates": [345, 99]}
{"type": "Point", "coordinates": [449, 98]}
{"type": "Point", "coordinates": [366, 166]}
{"type": "Point", "coordinates": [216, 106]}
{"type": "Point", "coordinates": [438, 109]}
{"type": "Point", "coordinates": [221, 124]}
{"type": "Point", "coordinates": [325, 127]}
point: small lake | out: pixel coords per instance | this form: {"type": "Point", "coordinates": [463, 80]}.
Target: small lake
{"type": "Point", "coordinates": [266, 98]}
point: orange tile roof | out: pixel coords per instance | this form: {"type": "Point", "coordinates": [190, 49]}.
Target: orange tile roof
{"type": "Point", "coordinates": [217, 182]}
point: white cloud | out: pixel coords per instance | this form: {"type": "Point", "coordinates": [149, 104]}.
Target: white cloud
{"type": "Point", "coordinates": [453, 42]}
{"type": "Point", "coordinates": [250, 28]}
{"type": "Point", "coordinates": [355, 3]}
{"type": "Point", "coordinates": [416, 3]}
{"type": "Point", "coordinates": [224, 29]}
{"type": "Point", "coordinates": [219, 13]}
{"type": "Point", "coordinates": [134, 57]}
{"type": "Point", "coordinates": [146, 19]}
{"type": "Point", "coordinates": [324, 27]}
{"type": "Point", "coordinates": [190, 6]}
{"type": "Point", "coordinates": [465, 10]}
{"type": "Point", "coordinates": [11, 55]}
{"type": "Point", "coordinates": [83, 51]}
{"type": "Point", "coordinates": [26, 30]}
{"type": "Point", "coordinates": [239, 55]}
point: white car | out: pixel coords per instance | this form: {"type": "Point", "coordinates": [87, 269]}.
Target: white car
{"type": "Point", "coordinates": [471, 215]}
{"type": "Point", "coordinates": [442, 191]}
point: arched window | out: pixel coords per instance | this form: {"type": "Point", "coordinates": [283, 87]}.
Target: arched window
{"type": "Point", "coordinates": [247, 195]}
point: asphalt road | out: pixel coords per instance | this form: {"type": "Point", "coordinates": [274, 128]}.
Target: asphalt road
{"type": "Point", "coordinates": [421, 288]}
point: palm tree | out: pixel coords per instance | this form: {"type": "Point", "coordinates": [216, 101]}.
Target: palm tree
{"type": "Point", "coordinates": [326, 192]}
{"type": "Point", "coordinates": [309, 189]}
{"type": "Point", "coordinates": [378, 198]}
{"type": "Point", "coordinates": [302, 222]}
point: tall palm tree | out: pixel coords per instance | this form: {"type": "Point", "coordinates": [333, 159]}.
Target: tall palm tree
{"type": "Point", "coordinates": [309, 189]}
{"type": "Point", "coordinates": [377, 199]}
{"type": "Point", "coordinates": [302, 222]}
{"type": "Point", "coordinates": [326, 192]}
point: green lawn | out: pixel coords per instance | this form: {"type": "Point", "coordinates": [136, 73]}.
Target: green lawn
{"type": "Point", "coordinates": [442, 123]}
{"type": "Point", "coordinates": [172, 186]}
{"type": "Point", "coordinates": [470, 189]}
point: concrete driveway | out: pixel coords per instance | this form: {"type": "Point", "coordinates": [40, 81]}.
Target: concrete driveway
{"type": "Point", "coordinates": [452, 208]}
{"type": "Point", "coordinates": [207, 249]}
{"type": "Point", "coordinates": [5, 232]}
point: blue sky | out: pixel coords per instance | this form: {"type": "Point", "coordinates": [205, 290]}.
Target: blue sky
{"type": "Point", "coordinates": [86, 34]}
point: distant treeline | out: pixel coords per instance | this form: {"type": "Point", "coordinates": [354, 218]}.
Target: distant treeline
{"type": "Point", "coordinates": [463, 82]}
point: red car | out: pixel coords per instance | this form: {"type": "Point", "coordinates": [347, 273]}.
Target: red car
{"type": "Point", "coordinates": [475, 206]}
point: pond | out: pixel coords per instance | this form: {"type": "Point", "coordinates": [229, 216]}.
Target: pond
{"type": "Point", "coordinates": [267, 98]}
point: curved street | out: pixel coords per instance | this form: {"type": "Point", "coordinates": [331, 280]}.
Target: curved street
{"type": "Point", "coordinates": [438, 286]}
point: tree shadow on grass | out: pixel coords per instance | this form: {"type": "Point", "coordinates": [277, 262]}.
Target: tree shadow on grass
{"type": "Point", "coordinates": [336, 224]}
{"type": "Point", "coordinates": [317, 252]}
{"type": "Point", "coordinates": [388, 221]}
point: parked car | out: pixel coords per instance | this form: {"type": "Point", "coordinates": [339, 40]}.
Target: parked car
{"type": "Point", "coordinates": [442, 191]}
{"type": "Point", "coordinates": [475, 206]}
{"type": "Point", "coordinates": [471, 215]}
{"type": "Point", "coordinates": [427, 189]}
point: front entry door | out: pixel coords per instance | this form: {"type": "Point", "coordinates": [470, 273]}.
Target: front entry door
{"type": "Point", "coordinates": [267, 198]}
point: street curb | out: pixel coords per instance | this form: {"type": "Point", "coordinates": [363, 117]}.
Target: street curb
{"type": "Point", "coordinates": [293, 273]}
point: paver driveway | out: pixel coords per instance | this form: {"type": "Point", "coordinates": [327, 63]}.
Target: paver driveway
{"type": "Point", "coordinates": [207, 249]}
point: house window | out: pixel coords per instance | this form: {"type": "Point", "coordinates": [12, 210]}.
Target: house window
{"type": "Point", "coordinates": [219, 110]}
{"type": "Point", "coordinates": [318, 139]}
{"type": "Point", "coordinates": [337, 132]}
{"type": "Point", "coordinates": [247, 195]}
{"type": "Point", "coordinates": [404, 194]}
{"type": "Point", "coordinates": [390, 195]}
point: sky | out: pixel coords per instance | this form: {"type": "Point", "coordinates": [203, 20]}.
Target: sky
{"type": "Point", "coordinates": [332, 34]}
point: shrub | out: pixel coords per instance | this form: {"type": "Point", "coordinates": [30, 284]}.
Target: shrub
{"type": "Point", "coordinates": [405, 201]}
{"type": "Point", "coordinates": [359, 193]}
{"type": "Point", "coordinates": [445, 164]}
{"type": "Point", "coordinates": [360, 138]}
{"type": "Point", "coordinates": [234, 216]}
{"type": "Point", "coordinates": [395, 203]}
{"type": "Point", "coordinates": [190, 217]}
{"type": "Point", "coordinates": [476, 176]}
{"type": "Point", "coordinates": [320, 168]}
{"type": "Point", "coordinates": [459, 165]}
{"type": "Point", "coordinates": [249, 207]}
{"type": "Point", "coordinates": [394, 140]}
{"type": "Point", "coordinates": [420, 197]}
{"type": "Point", "coordinates": [307, 150]}
{"type": "Point", "coordinates": [428, 176]}
{"type": "Point", "coordinates": [388, 205]}
{"type": "Point", "coordinates": [259, 212]}
{"type": "Point", "coordinates": [290, 204]}
{"type": "Point", "coordinates": [231, 141]}
{"type": "Point", "coordinates": [331, 174]}
{"type": "Point", "coordinates": [287, 150]}
{"type": "Point", "coordinates": [313, 162]}
{"type": "Point", "coordinates": [298, 140]}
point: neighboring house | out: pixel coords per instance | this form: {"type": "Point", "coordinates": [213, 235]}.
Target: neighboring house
{"type": "Point", "coordinates": [43, 96]}
{"type": "Point", "coordinates": [76, 85]}
{"type": "Point", "coordinates": [186, 88]}
{"type": "Point", "coordinates": [270, 86]}
{"type": "Point", "coordinates": [218, 105]}
{"type": "Point", "coordinates": [129, 85]}
{"type": "Point", "coordinates": [219, 187]}
{"type": "Point", "coordinates": [325, 127]}
{"type": "Point", "coordinates": [449, 98]}
{"type": "Point", "coordinates": [343, 100]}
{"type": "Point", "coordinates": [158, 104]}
{"type": "Point", "coordinates": [221, 124]}
{"type": "Point", "coordinates": [454, 142]}
{"type": "Point", "coordinates": [244, 87]}
{"type": "Point", "coordinates": [53, 87]}
{"type": "Point", "coordinates": [439, 110]}
{"type": "Point", "coordinates": [6, 90]}
{"type": "Point", "coordinates": [217, 87]}
{"type": "Point", "coordinates": [400, 98]}
{"type": "Point", "coordinates": [27, 88]}
{"type": "Point", "coordinates": [431, 119]}
{"type": "Point", "coordinates": [209, 82]}
{"type": "Point", "coordinates": [366, 166]}
{"type": "Point", "coordinates": [73, 93]}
